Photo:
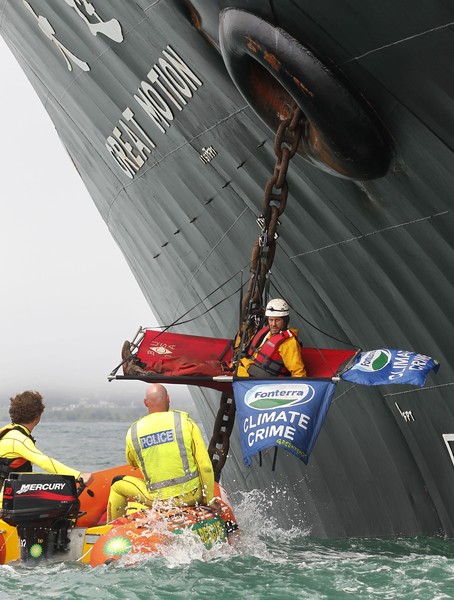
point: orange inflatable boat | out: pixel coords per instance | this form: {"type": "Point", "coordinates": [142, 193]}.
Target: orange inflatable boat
{"type": "Point", "coordinates": [46, 517]}
{"type": "Point", "coordinates": [150, 530]}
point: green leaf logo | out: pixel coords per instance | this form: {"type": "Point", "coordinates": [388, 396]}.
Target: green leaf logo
{"type": "Point", "coordinates": [375, 360]}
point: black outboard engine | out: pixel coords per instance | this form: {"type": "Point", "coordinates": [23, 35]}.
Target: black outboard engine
{"type": "Point", "coordinates": [43, 507]}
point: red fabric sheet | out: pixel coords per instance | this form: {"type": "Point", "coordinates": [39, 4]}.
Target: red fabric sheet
{"type": "Point", "coordinates": [183, 354]}
{"type": "Point", "coordinates": [179, 355]}
{"type": "Point", "coordinates": [324, 362]}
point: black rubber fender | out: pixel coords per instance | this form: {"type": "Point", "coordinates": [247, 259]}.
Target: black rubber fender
{"type": "Point", "coordinates": [273, 71]}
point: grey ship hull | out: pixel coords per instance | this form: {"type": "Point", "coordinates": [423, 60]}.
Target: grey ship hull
{"type": "Point", "coordinates": [370, 262]}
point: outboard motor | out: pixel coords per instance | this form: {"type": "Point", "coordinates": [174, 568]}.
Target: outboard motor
{"type": "Point", "coordinates": [43, 507]}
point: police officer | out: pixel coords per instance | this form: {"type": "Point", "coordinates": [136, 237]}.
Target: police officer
{"type": "Point", "coordinates": [17, 445]}
{"type": "Point", "coordinates": [275, 349]}
{"type": "Point", "coordinates": [167, 446]}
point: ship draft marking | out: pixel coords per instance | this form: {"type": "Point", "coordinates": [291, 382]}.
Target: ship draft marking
{"type": "Point", "coordinates": [207, 154]}
{"type": "Point", "coordinates": [406, 415]}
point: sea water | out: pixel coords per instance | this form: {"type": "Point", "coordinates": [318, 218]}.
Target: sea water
{"type": "Point", "coordinates": [268, 562]}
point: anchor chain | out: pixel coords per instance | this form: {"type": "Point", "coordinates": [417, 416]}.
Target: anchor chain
{"type": "Point", "coordinates": [220, 440]}
{"type": "Point", "coordinates": [275, 199]}
{"type": "Point", "coordinates": [274, 202]}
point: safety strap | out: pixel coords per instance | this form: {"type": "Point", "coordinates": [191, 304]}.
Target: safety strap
{"type": "Point", "coordinates": [183, 455]}
{"type": "Point", "coordinates": [20, 428]}
{"type": "Point", "coordinates": [263, 359]}
{"type": "Point", "coordinates": [273, 367]}
{"type": "Point", "coordinates": [18, 464]}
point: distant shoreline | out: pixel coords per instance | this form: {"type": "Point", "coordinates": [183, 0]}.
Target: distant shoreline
{"type": "Point", "coordinates": [59, 416]}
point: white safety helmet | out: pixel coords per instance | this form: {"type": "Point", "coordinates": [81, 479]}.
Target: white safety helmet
{"type": "Point", "coordinates": [277, 308]}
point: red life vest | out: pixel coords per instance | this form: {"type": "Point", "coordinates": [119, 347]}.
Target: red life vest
{"type": "Point", "coordinates": [267, 356]}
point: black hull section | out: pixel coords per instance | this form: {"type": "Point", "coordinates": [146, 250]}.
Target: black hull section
{"type": "Point", "coordinates": [371, 262]}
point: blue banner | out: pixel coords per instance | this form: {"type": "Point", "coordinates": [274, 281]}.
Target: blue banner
{"type": "Point", "coordinates": [381, 367]}
{"type": "Point", "coordinates": [282, 413]}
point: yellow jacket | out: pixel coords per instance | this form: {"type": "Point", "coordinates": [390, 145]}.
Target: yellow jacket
{"type": "Point", "coordinates": [16, 444]}
{"type": "Point", "coordinates": [290, 353]}
{"type": "Point", "coordinates": [168, 448]}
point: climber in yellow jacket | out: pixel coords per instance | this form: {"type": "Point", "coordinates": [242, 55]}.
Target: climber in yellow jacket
{"type": "Point", "coordinates": [275, 349]}
{"type": "Point", "coordinates": [168, 447]}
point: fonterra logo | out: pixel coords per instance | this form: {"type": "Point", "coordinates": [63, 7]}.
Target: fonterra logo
{"type": "Point", "coordinates": [375, 360]}
{"type": "Point", "coordinates": [266, 396]}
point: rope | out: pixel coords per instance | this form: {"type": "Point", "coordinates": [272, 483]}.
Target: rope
{"type": "Point", "coordinates": [355, 346]}
{"type": "Point", "coordinates": [205, 312]}
{"type": "Point", "coordinates": [178, 321]}
{"type": "Point", "coordinates": [419, 390]}
{"type": "Point", "coordinates": [209, 254]}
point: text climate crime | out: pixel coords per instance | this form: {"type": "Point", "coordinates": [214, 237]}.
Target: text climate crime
{"type": "Point", "coordinates": [284, 424]}
{"type": "Point", "coordinates": [169, 85]}
{"type": "Point", "coordinates": [288, 414]}
{"type": "Point", "coordinates": [402, 362]}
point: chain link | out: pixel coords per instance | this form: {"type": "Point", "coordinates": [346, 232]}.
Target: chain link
{"type": "Point", "coordinates": [274, 202]}
{"type": "Point", "coordinates": [220, 440]}
{"type": "Point", "coordinates": [263, 251]}
{"type": "Point", "coordinates": [276, 190]}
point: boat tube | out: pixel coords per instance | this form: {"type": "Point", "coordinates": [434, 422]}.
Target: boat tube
{"type": "Point", "coordinates": [45, 517]}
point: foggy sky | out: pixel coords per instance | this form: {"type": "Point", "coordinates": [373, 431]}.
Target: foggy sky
{"type": "Point", "coordinates": [68, 299]}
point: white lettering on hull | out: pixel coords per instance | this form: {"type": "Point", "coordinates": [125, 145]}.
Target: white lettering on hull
{"type": "Point", "coordinates": [168, 86]}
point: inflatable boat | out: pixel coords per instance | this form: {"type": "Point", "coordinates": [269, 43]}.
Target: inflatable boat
{"type": "Point", "coordinates": [48, 517]}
